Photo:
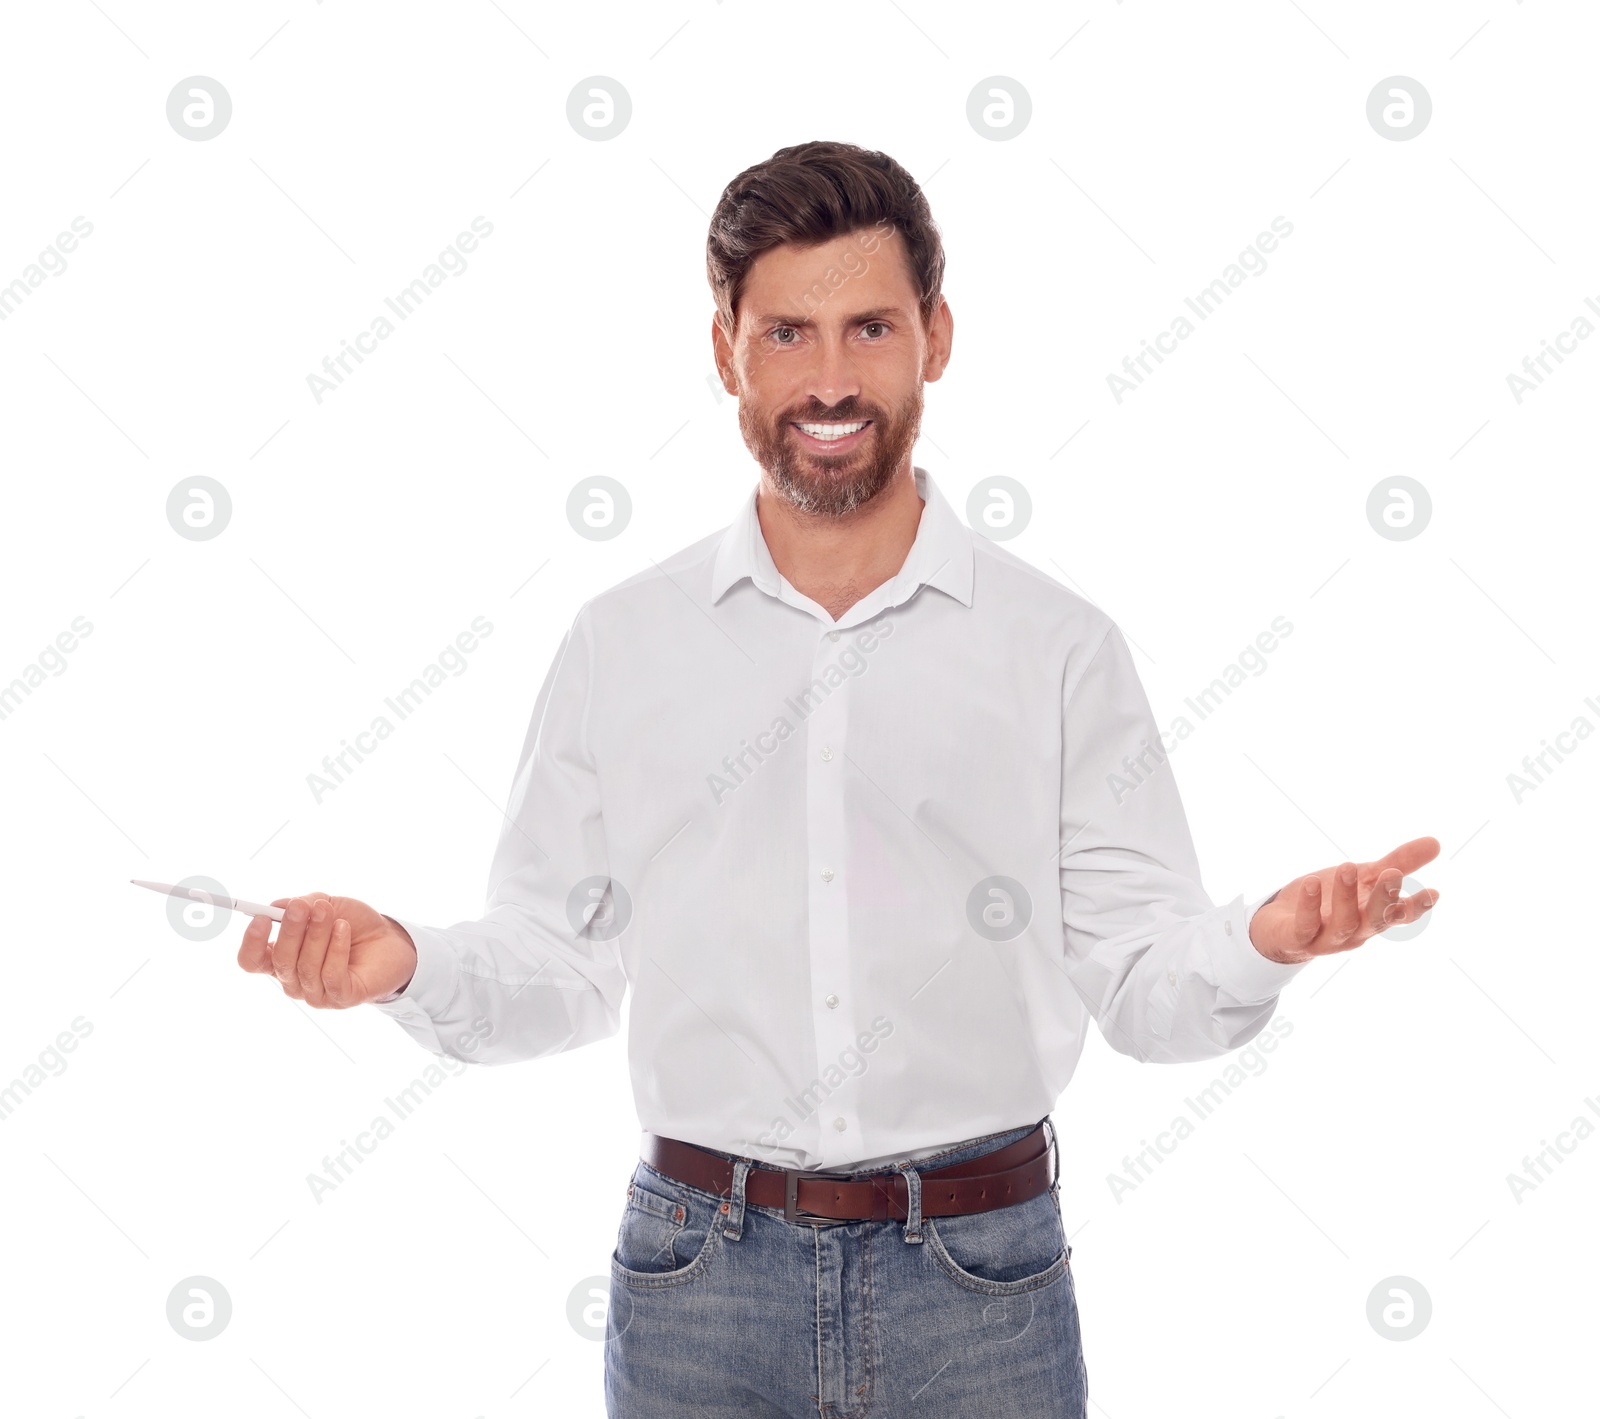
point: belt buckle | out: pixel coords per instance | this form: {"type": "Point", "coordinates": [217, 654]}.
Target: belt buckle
{"type": "Point", "coordinates": [792, 1178]}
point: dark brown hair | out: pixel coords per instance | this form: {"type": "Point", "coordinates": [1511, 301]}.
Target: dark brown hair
{"type": "Point", "coordinates": [809, 194]}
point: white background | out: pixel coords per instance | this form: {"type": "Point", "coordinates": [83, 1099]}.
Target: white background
{"type": "Point", "coordinates": [370, 528]}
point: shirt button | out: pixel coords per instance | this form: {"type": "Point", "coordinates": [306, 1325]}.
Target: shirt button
{"type": "Point", "coordinates": [839, 1124]}
{"type": "Point", "coordinates": [832, 1002]}
{"type": "Point", "coordinates": [833, 636]}
{"type": "Point", "coordinates": [1172, 978]}
{"type": "Point", "coordinates": [1227, 926]}
{"type": "Point", "coordinates": [827, 874]}
{"type": "Point", "coordinates": [827, 753]}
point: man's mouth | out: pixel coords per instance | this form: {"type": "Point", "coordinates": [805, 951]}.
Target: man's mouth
{"type": "Point", "coordinates": [833, 437]}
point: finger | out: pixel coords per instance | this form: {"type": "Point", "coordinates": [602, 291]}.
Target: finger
{"type": "Point", "coordinates": [1382, 907]}
{"type": "Point", "coordinates": [255, 949]}
{"type": "Point", "coordinates": [286, 949]}
{"type": "Point", "coordinates": [280, 902]}
{"type": "Point", "coordinates": [1345, 918]}
{"type": "Point", "coordinates": [1411, 908]}
{"type": "Point", "coordinates": [313, 949]}
{"type": "Point", "coordinates": [336, 966]}
{"type": "Point", "coordinates": [1409, 856]}
{"type": "Point", "coordinates": [1308, 911]}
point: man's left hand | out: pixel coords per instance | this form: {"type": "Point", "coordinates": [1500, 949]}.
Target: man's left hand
{"type": "Point", "coordinates": [1338, 908]}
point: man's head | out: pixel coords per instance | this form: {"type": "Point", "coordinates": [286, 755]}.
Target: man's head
{"type": "Point", "coordinates": [827, 267]}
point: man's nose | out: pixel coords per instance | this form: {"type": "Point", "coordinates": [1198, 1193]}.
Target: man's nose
{"type": "Point", "coordinates": [833, 376]}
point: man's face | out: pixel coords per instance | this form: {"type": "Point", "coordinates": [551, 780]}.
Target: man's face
{"type": "Point", "coordinates": [828, 363]}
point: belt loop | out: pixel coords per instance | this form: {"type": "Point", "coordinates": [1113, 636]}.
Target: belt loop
{"type": "Point", "coordinates": [913, 1201]}
{"type": "Point", "coordinates": [734, 1229]}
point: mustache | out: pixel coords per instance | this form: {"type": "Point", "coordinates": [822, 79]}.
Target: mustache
{"type": "Point", "coordinates": [847, 413]}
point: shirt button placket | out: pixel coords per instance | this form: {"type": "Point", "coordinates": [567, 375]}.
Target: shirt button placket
{"type": "Point", "coordinates": [826, 727]}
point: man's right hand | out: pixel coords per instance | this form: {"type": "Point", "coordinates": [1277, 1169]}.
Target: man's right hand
{"type": "Point", "coordinates": [331, 952]}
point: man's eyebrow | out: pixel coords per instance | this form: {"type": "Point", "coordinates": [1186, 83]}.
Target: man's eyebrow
{"type": "Point", "coordinates": [860, 317]}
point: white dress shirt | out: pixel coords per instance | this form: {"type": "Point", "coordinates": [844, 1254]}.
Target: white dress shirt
{"type": "Point", "coordinates": [799, 819]}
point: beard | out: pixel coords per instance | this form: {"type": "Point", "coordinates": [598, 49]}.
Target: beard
{"type": "Point", "coordinates": [832, 485]}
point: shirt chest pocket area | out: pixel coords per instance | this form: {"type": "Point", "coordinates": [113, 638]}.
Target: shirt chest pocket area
{"type": "Point", "coordinates": [660, 1234]}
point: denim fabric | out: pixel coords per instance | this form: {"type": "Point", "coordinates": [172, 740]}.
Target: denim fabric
{"type": "Point", "coordinates": [719, 1313]}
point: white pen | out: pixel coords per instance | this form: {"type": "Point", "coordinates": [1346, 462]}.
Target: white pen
{"type": "Point", "coordinates": [196, 895]}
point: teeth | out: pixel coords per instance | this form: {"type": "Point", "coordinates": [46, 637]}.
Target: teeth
{"type": "Point", "coordinates": [833, 431]}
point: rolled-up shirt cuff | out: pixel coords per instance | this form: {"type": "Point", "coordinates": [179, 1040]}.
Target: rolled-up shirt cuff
{"type": "Point", "coordinates": [433, 984]}
{"type": "Point", "coordinates": [1242, 971]}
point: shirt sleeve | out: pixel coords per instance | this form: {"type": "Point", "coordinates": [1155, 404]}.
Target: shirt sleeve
{"type": "Point", "coordinates": [1168, 976]}
{"type": "Point", "coordinates": [540, 971]}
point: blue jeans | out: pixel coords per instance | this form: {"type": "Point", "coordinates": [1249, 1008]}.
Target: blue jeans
{"type": "Point", "coordinates": [720, 1308]}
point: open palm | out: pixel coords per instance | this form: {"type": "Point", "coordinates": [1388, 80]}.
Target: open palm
{"type": "Point", "coordinates": [1337, 908]}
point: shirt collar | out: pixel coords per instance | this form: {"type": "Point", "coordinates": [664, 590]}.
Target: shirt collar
{"type": "Point", "coordinates": [940, 556]}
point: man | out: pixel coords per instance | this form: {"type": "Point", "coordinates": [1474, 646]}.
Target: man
{"type": "Point", "coordinates": [840, 794]}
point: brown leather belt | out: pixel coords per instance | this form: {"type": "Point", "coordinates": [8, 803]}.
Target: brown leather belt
{"type": "Point", "coordinates": [1006, 1176]}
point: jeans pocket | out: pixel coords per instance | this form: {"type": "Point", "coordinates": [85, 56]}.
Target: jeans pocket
{"type": "Point", "coordinates": [1003, 1252]}
{"type": "Point", "coordinates": [666, 1234]}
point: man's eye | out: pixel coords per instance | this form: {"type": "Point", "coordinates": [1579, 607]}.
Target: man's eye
{"type": "Point", "coordinates": [780, 330]}
{"type": "Point", "coordinates": [871, 324]}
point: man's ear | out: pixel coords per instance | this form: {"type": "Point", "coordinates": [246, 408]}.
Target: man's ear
{"type": "Point", "coordinates": [941, 336]}
{"type": "Point", "coordinates": [722, 354]}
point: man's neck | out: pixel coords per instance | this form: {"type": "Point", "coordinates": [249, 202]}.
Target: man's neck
{"type": "Point", "coordinates": [838, 560]}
